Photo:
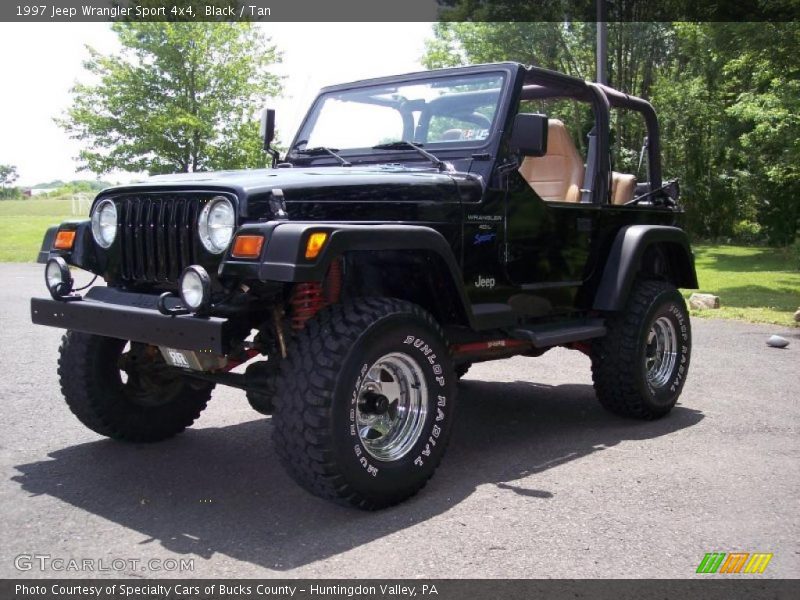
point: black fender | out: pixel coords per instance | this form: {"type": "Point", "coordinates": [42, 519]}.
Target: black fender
{"type": "Point", "coordinates": [82, 253]}
{"type": "Point", "coordinates": [625, 260]}
{"type": "Point", "coordinates": [283, 257]}
{"type": "Point", "coordinates": [47, 244]}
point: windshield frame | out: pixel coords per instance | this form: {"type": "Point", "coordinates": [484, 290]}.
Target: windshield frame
{"type": "Point", "coordinates": [507, 72]}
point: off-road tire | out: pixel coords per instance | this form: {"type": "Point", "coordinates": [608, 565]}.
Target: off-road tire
{"type": "Point", "coordinates": [91, 385]}
{"type": "Point", "coordinates": [618, 359]}
{"type": "Point", "coordinates": [261, 400]}
{"type": "Point", "coordinates": [314, 424]}
{"type": "Point", "coordinates": [462, 369]}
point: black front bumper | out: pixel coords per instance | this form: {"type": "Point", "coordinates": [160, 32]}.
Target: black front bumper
{"type": "Point", "coordinates": [134, 317]}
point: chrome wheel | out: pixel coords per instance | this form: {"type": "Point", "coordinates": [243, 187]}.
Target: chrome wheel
{"type": "Point", "coordinates": [661, 352]}
{"type": "Point", "coordinates": [391, 408]}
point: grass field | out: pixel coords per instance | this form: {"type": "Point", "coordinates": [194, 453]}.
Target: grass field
{"type": "Point", "coordinates": [754, 284]}
{"type": "Point", "coordinates": [23, 223]}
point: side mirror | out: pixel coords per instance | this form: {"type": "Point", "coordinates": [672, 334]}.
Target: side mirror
{"type": "Point", "coordinates": [268, 133]}
{"type": "Point", "coordinates": [268, 126]}
{"type": "Point", "coordinates": [529, 134]}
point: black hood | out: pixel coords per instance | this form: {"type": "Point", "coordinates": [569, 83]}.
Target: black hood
{"type": "Point", "coordinates": [305, 190]}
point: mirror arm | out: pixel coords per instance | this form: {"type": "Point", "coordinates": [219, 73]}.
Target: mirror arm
{"type": "Point", "coordinates": [273, 155]}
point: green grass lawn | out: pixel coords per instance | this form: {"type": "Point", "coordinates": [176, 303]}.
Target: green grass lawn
{"type": "Point", "coordinates": [23, 223]}
{"type": "Point", "coordinates": [755, 284]}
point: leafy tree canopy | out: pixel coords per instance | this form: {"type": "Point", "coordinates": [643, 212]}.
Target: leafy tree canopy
{"type": "Point", "coordinates": [179, 97]}
{"type": "Point", "coordinates": [727, 96]}
{"type": "Point", "coordinates": [8, 174]}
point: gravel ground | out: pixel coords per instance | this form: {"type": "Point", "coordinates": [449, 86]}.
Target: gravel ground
{"type": "Point", "coordinates": [538, 482]}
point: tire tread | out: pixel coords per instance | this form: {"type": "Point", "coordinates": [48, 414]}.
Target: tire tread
{"type": "Point", "coordinates": [305, 390]}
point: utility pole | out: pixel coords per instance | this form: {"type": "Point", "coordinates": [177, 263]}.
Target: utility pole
{"type": "Point", "coordinates": [602, 42]}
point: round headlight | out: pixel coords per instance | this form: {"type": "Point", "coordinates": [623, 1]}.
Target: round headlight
{"type": "Point", "coordinates": [195, 287]}
{"type": "Point", "coordinates": [104, 223]}
{"type": "Point", "coordinates": [215, 224]}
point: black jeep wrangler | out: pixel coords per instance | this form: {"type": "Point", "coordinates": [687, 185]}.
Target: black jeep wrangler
{"type": "Point", "coordinates": [417, 224]}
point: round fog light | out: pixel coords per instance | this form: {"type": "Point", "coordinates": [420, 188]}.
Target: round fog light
{"type": "Point", "coordinates": [195, 287]}
{"type": "Point", "coordinates": [58, 278]}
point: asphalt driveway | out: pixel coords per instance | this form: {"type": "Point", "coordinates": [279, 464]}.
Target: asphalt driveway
{"type": "Point", "coordinates": [538, 482]}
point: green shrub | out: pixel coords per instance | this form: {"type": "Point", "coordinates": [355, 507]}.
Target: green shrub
{"type": "Point", "coordinates": [10, 193]}
{"type": "Point", "coordinates": [748, 232]}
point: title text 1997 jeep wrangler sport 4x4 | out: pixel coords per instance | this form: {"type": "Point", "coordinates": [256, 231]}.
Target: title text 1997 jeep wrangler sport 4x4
{"type": "Point", "coordinates": [418, 224]}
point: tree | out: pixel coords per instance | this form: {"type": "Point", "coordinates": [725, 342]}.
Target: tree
{"type": "Point", "coordinates": [8, 175]}
{"type": "Point", "coordinates": [179, 97]}
{"type": "Point", "coordinates": [727, 96]}
{"type": "Point", "coordinates": [637, 52]}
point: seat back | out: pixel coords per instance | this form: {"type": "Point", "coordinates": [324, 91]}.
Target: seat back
{"type": "Point", "coordinates": [558, 175]}
{"type": "Point", "coordinates": [623, 187]}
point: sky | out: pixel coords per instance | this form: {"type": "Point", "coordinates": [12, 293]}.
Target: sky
{"type": "Point", "coordinates": [40, 62]}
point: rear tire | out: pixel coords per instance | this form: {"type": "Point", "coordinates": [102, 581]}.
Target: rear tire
{"type": "Point", "coordinates": [151, 406]}
{"type": "Point", "coordinates": [640, 366]}
{"type": "Point", "coordinates": [364, 402]}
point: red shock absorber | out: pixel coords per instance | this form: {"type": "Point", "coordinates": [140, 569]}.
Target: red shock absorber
{"type": "Point", "coordinates": [309, 298]}
{"type": "Point", "coordinates": [333, 282]}
{"type": "Point", "coordinates": [306, 301]}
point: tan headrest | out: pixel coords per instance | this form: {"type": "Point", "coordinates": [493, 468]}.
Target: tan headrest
{"type": "Point", "coordinates": [558, 175]}
{"type": "Point", "coordinates": [623, 187]}
{"type": "Point", "coordinates": [559, 141]}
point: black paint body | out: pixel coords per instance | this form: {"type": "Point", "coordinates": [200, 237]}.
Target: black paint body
{"type": "Point", "coordinates": [513, 258]}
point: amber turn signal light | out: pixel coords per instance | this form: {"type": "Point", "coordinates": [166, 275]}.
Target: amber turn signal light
{"type": "Point", "coordinates": [247, 246]}
{"type": "Point", "coordinates": [315, 243]}
{"type": "Point", "coordinates": [64, 240]}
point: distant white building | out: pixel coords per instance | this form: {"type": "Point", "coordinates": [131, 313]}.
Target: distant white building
{"type": "Point", "coordinates": [40, 191]}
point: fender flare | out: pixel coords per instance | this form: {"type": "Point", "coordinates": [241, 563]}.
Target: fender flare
{"type": "Point", "coordinates": [625, 259]}
{"type": "Point", "coordinates": [283, 258]}
{"type": "Point", "coordinates": [47, 244]}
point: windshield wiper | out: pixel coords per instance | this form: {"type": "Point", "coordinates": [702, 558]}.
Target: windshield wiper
{"type": "Point", "coordinates": [321, 150]}
{"type": "Point", "coordinates": [406, 145]}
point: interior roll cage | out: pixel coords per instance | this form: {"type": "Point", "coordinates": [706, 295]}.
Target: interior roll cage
{"type": "Point", "coordinates": [520, 83]}
{"type": "Point", "coordinates": [543, 84]}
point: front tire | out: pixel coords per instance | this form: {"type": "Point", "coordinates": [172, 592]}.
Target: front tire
{"type": "Point", "coordinates": [140, 403]}
{"type": "Point", "coordinates": [640, 366]}
{"type": "Point", "coordinates": [260, 398]}
{"type": "Point", "coordinates": [364, 402]}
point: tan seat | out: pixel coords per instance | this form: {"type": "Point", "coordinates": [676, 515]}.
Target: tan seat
{"type": "Point", "coordinates": [558, 175]}
{"type": "Point", "coordinates": [623, 187]}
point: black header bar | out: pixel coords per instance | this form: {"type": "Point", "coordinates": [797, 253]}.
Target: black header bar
{"type": "Point", "coordinates": [396, 10]}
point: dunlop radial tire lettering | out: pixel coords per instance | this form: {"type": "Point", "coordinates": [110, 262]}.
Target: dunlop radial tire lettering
{"type": "Point", "coordinates": [617, 359]}
{"type": "Point", "coordinates": [90, 383]}
{"type": "Point", "coordinates": [316, 390]}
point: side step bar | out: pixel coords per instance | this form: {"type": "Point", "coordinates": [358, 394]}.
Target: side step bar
{"type": "Point", "coordinates": [545, 336]}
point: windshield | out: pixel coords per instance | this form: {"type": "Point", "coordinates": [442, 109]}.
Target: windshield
{"type": "Point", "coordinates": [443, 111]}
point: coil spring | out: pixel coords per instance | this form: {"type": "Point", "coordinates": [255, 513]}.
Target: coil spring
{"type": "Point", "coordinates": [309, 298]}
{"type": "Point", "coordinates": [306, 301]}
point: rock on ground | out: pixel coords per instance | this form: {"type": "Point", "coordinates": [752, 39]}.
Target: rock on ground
{"type": "Point", "coordinates": [703, 301]}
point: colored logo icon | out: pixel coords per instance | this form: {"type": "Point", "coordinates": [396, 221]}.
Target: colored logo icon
{"type": "Point", "coordinates": [734, 562]}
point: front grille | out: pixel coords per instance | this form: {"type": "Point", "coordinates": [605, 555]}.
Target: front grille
{"type": "Point", "coordinates": [158, 235]}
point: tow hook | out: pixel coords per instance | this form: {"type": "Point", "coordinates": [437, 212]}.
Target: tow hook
{"type": "Point", "coordinates": [170, 312]}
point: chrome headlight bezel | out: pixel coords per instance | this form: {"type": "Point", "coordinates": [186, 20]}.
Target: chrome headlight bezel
{"type": "Point", "coordinates": [216, 237]}
{"type": "Point", "coordinates": [105, 222]}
